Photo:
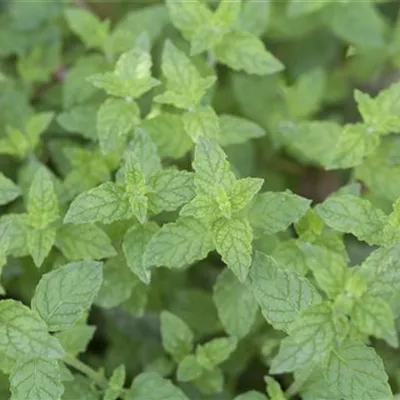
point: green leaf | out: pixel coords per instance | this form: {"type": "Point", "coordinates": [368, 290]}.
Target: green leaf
{"type": "Point", "coordinates": [178, 244]}
{"type": "Point", "coordinates": [185, 86]}
{"type": "Point", "coordinates": [177, 338]}
{"type": "Point", "coordinates": [64, 294]}
{"type": "Point", "coordinates": [236, 130]}
{"type": "Point", "coordinates": [373, 316]}
{"type": "Point", "coordinates": [132, 75]}
{"type": "Point", "coordinates": [188, 17]}
{"type": "Point", "coordinates": [202, 121]}
{"type": "Point", "coordinates": [215, 352]}
{"type": "Point", "coordinates": [235, 303]}
{"type": "Point", "coordinates": [281, 293]}
{"type": "Point", "coordinates": [84, 242]}
{"type": "Point", "coordinates": [75, 339]}
{"type": "Point", "coordinates": [24, 334]}
{"type": "Point", "coordinates": [115, 119]}
{"type": "Point", "coordinates": [36, 125]}
{"type": "Point", "coordinates": [273, 212]}
{"type": "Point", "coordinates": [355, 371]}
{"type": "Point", "coordinates": [40, 243]}
{"type": "Point", "coordinates": [142, 154]}
{"type": "Point", "coordinates": [115, 384]}
{"type": "Point", "coordinates": [170, 189]}
{"type": "Point", "coordinates": [252, 395]}
{"type": "Point", "coordinates": [290, 255]}
{"type": "Point", "coordinates": [189, 369]}
{"type": "Point", "coordinates": [242, 51]}
{"type": "Point", "coordinates": [168, 133]}
{"type": "Point", "coordinates": [355, 142]}
{"type": "Point", "coordinates": [42, 200]}
{"type": "Point", "coordinates": [9, 191]}
{"type": "Point", "coordinates": [211, 167]}
{"type": "Point", "coordinates": [88, 27]}
{"type": "Point", "coordinates": [274, 389]}
{"type": "Point", "coordinates": [36, 379]}
{"type": "Point", "coordinates": [328, 267]}
{"type": "Point", "coordinates": [134, 246]}
{"type": "Point", "coordinates": [80, 386]}
{"type": "Point", "coordinates": [297, 8]}
{"type": "Point", "coordinates": [312, 337]}
{"type": "Point", "coordinates": [233, 241]}
{"type": "Point", "coordinates": [350, 214]}
{"type": "Point", "coordinates": [105, 203]}
{"type": "Point", "coordinates": [243, 192]}
{"type": "Point", "coordinates": [211, 382]}
{"type": "Point", "coordinates": [150, 386]}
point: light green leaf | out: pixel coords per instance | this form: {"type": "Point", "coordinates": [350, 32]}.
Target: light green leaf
{"type": "Point", "coordinates": [289, 255]}
{"type": "Point", "coordinates": [36, 125]}
{"type": "Point", "coordinates": [177, 338]}
{"type": "Point", "coordinates": [242, 51]}
{"type": "Point", "coordinates": [88, 27]}
{"type": "Point", "coordinates": [328, 267]}
{"type": "Point", "coordinates": [236, 130]}
{"type": "Point", "coordinates": [188, 17]}
{"type": "Point", "coordinates": [202, 121]}
{"type": "Point", "coordinates": [232, 239]}
{"type": "Point", "coordinates": [80, 386]}
{"type": "Point", "coordinates": [243, 192]}
{"type": "Point", "coordinates": [297, 8]}
{"type": "Point", "coordinates": [14, 230]}
{"type": "Point", "coordinates": [355, 371]}
{"type": "Point", "coordinates": [142, 154]}
{"type": "Point", "coordinates": [252, 395]}
{"type": "Point", "coordinates": [64, 294]}
{"type": "Point", "coordinates": [80, 119]}
{"type": "Point", "coordinates": [202, 207]}
{"type": "Point", "coordinates": [105, 203]}
{"type": "Point", "coordinates": [40, 242]}
{"type": "Point", "coordinates": [115, 119]}
{"type": "Point", "coordinates": [215, 352]}
{"type": "Point", "coordinates": [84, 242]}
{"type": "Point", "coordinates": [273, 212]}
{"type": "Point", "coordinates": [9, 191]}
{"type": "Point", "coordinates": [189, 369]}
{"type": "Point", "coordinates": [211, 167]}
{"type": "Point", "coordinates": [75, 339]}
{"type": "Point", "coordinates": [170, 189]}
{"type": "Point", "coordinates": [350, 214]}
{"type": "Point", "coordinates": [42, 200]}
{"type": "Point", "coordinates": [373, 316]}
{"type": "Point", "coordinates": [178, 244]}
{"type": "Point", "coordinates": [391, 231]}
{"type": "Point", "coordinates": [312, 336]}
{"type": "Point", "coordinates": [36, 379]}
{"type": "Point", "coordinates": [211, 382]}
{"type": "Point", "coordinates": [185, 86]}
{"type": "Point", "coordinates": [355, 142]}
{"type": "Point", "coordinates": [274, 389]}
{"type": "Point", "coordinates": [23, 334]}
{"type": "Point", "coordinates": [117, 285]}
{"type": "Point", "coordinates": [236, 304]}
{"type": "Point", "coordinates": [168, 133]}
{"type": "Point", "coordinates": [134, 246]}
{"type": "Point", "coordinates": [150, 386]}
{"type": "Point", "coordinates": [115, 384]}
{"type": "Point", "coordinates": [281, 293]}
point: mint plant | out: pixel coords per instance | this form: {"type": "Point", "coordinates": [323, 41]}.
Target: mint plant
{"type": "Point", "coordinates": [199, 200]}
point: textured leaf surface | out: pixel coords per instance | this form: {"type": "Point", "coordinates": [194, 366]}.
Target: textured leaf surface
{"type": "Point", "coordinates": [23, 334]}
{"type": "Point", "coordinates": [215, 352]}
{"type": "Point", "coordinates": [40, 242]}
{"type": "Point", "coordinates": [236, 304]}
{"type": "Point", "coordinates": [355, 371]}
{"type": "Point", "coordinates": [350, 214]}
{"type": "Point", "coordinates": [274, 211]}
{"type": "Point", "coordinates": [36, 379]}
{"type": "Point", "coordinates": [281, 293]}
{"type": "Point", "coordinates": [178, 244]}
{"type": "Point", "coordinates": [203, 121]}
{"type": "Point", "coordinates": [84, 242]}
{"type": "Point", "coordinates": [105, 204]}
{"type": "Point", "coordinates": [63, 295]}
{"type": "Point", "coordinates": [233, 240]}
{"type": "Point", "coordinates": [115, 384]}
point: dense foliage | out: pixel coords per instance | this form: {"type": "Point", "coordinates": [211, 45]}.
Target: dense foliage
{"type": "Point", "coordinates": [199, 200]}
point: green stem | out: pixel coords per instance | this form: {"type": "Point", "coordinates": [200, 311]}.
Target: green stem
{"type": "Point", "coordinates": [73, 362]}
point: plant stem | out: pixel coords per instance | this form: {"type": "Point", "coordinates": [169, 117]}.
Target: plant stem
{"type": "Point", "coordinates": [73, 362]}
